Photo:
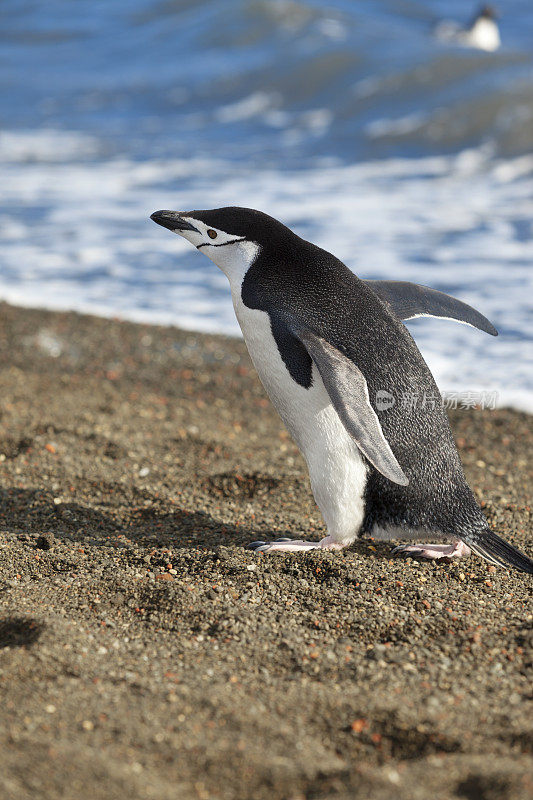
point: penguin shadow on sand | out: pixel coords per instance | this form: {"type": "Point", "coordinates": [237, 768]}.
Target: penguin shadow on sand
{"type": "Point", "coordinates": [36, 519]}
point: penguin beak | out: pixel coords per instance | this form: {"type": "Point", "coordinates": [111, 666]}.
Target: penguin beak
{"type": "Point", "coordinates": [173, 221]}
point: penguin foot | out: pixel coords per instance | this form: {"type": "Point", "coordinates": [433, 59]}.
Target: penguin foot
{"type": "Point", "coordinates": [295, 545]}
{"type": "Point", "coordinates": [455, 550]}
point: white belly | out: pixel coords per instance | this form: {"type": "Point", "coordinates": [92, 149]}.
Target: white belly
{"type": "Point", "coordinates": [484, 35]}
{"type": "Point", "coordinates": [336, 468]}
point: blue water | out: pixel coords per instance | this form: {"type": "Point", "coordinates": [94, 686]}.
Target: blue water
{"type": "Point", "coordinates": [406, 156]}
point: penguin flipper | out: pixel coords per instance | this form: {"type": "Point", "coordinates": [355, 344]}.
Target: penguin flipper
{"type": "Point", "coordinates": [410, 300]}
{"type": "Point", "coordinates": [347, 388]}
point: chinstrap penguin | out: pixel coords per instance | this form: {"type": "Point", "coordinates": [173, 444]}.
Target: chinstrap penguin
{"type": "Point", "coordinates": [327, 346]}
{"type": "Point", "coordinates": [482, 32]}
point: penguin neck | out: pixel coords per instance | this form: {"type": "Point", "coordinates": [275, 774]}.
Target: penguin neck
{"type": "Point", "coordinates": [235, 260]}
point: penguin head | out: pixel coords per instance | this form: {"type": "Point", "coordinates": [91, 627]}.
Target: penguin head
{"type": "Point", "coordinates": [231, 237]}
{"type": "Point", "coordinates": [487, 12]}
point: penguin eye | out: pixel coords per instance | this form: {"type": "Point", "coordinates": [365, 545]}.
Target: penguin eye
{"type": "Point", "coordinates": [212, 234]}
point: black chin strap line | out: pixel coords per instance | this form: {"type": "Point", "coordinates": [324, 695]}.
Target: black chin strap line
{"type": "Point", "coordinates": [222, 244]}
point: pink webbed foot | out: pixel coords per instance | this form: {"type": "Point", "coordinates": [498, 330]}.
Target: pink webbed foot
{"type": "Point", "coordinates": [447, 551]}
{"type": "Point", "coordinates": [295, 546]}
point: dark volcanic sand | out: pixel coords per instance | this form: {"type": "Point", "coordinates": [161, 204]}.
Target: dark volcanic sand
{"type": "Point", "coordinates": [145, 654]}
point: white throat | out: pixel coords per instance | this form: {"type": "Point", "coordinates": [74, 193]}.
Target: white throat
{"type": "Point", "coordinates": [234, 260]}
{"type": "Point", "coordinates": [233, 254]}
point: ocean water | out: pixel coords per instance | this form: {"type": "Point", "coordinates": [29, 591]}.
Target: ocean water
{"type": "Point", "coordinates": [407, 157]}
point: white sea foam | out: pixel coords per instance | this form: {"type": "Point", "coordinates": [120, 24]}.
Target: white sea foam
{"type": "Point", "coordinates": [46, 145]}
{"type": "Point", "coordinates": [76, 234]}
{"type": "Point", "coordinates": [257, 103]}
{"type": "Point", "coordinates": [395, 127]}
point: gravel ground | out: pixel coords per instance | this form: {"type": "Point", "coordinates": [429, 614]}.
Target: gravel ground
{"type": "Point", "coordinates": [144, 653]}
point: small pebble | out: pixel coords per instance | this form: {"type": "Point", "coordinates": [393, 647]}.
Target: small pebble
{"type": "Point", "coordinates": [45, 541]}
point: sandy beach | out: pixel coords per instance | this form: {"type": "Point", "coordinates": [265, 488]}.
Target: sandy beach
{"type": "Point", "coordinates": [146, 654]}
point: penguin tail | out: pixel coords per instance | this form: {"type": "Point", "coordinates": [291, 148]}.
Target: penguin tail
{"type": "Point", "coordinates": [499, 552]}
